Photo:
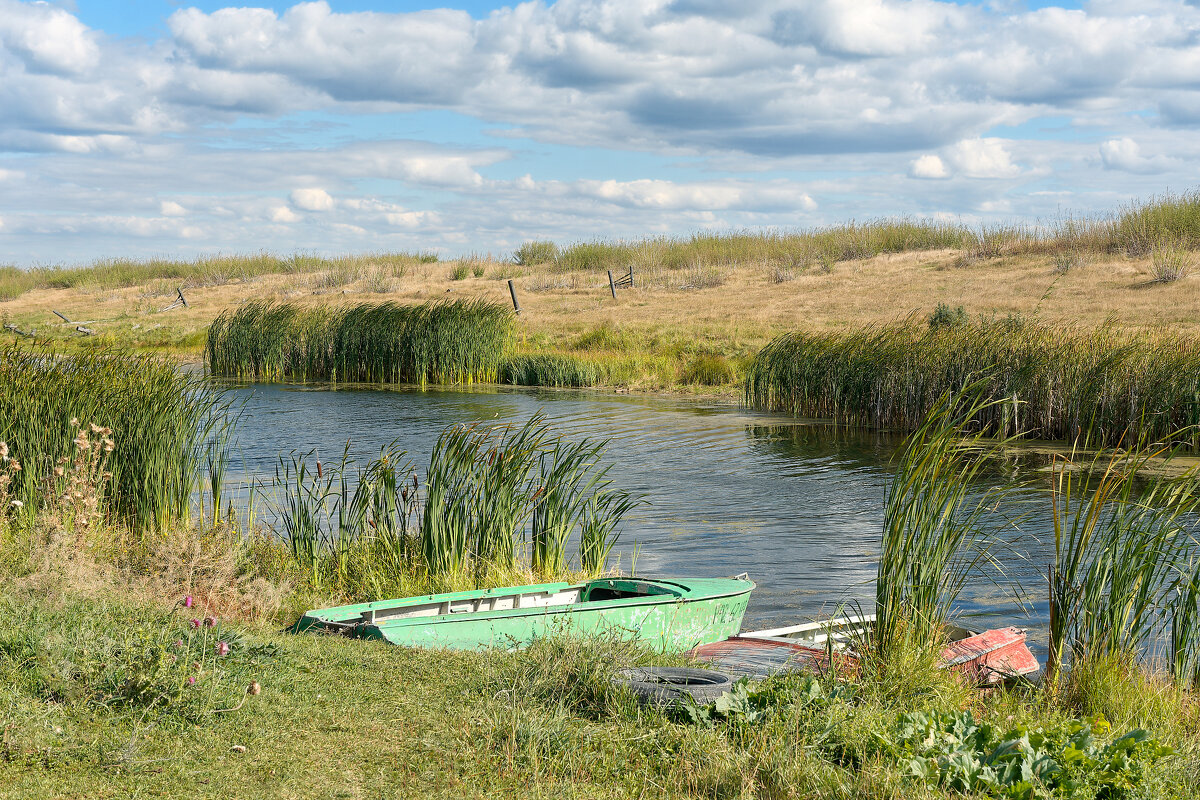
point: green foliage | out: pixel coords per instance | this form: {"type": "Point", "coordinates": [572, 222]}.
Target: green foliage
{"type": "Point", "coordinates": [1049, 380]}
{"type": "Point", "coordinates": [954, 752]}
{"type": "Point", "coordinates": [1117, 542]}
{"type": "Point", "coordinates": [461, 341]}
{"type": "Point", "coordinates": [548, 369]}
{"type": "Point", "coordinates": [358, 530]}
{"type": "Point", "coordinates": [159, 419]}
{"type": "Point", "coordinates": [532, 253]}
{"type": "Point", "coordinates": [460, 271]}
{"type": "Point", "coordinates": [709, 369]}
{"type": "Point", "coordinates": [753, 703]}
{"type": "Point", "coordinates": [128, 659]}
{"type": "Point", "coordinates": [1169, 261]}
{"type": "Point", "coordinates": [946, 317]}
{"type": "Point", "coordinates": [932, 534]}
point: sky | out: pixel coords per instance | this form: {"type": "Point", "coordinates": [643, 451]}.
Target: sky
{"type": "Point", "coordinates": [157, 128]}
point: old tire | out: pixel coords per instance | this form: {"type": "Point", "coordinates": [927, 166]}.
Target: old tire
{"type": "Point", "coordinates": [665, 686]}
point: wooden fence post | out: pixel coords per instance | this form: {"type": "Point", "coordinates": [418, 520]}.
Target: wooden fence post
{"type": "Point", "coordinates": [612, 286]}
{"type": "Point", "coordinates": [512, 290]}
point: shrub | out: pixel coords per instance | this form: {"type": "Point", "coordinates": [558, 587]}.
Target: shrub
{"type": "Point", "coordinates": [532, 253]}
{"type": "Point", "coordinates": [1169, 262]}
{"type": "Point", "coordinates": [946, 317]}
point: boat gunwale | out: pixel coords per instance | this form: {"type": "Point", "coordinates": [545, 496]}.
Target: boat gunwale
{"type": "Point", "coordinates": [353, 611]}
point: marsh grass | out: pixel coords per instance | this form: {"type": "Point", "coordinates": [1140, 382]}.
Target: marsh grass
{"type": "Point", "coordinates": [932, 526]}
{"type": "Point", "coordinates": [549, 369]}
{"type": "Point", "coordinates": [497, 508]}
{"type": "Point", "coordinates": [1118, 547]}
{"type": "Point", "coordinates": [460, 341]}
{"type": "Point", "coordinates": [1056, 381]}
{"type": "Point", "coordinates": [1169, 262]}
{"type": "Point", "coordinates": [161, 417]}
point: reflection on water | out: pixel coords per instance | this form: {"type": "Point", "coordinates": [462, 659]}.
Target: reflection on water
{"type": "Point", "coordinates": [798, 506]}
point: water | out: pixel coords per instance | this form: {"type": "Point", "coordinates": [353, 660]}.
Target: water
{"type": "Point", "coordinates": [798, 506]}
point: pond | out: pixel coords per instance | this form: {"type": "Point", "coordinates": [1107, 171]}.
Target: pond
{"type": "Point", "coordinates": [797, 505]}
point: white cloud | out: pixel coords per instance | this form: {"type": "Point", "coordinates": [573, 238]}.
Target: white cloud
{"type": "Point", "coordinates": [1126, 155]}
{"type": "Point", "coordinates": [169, 208]}
{"type": "Point", "coordinates": [982, 158]}
{"type": "Point", "coordinates": [283, 214]}
{"type": "Point", "coordinates": [311, 199]}
{"type": "Point", "coordinates": [928, 166]}
{"type": "Point", "coordinates": [47, 39]}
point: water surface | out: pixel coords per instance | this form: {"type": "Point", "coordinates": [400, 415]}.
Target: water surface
{"type": "Point", "coordinates": [797, 505]}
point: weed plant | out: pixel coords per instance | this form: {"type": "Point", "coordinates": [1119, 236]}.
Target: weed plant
{"type": "Point", "coordinates": [1050, 380]}
{"type": "Point", "coordinates": [460, 341]}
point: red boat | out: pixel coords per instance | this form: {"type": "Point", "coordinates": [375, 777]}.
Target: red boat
{"type": "Point", "coordinates": [986, 658]}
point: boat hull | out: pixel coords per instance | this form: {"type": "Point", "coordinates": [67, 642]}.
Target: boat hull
{"type": "Point", "coordinates": [672, 616]}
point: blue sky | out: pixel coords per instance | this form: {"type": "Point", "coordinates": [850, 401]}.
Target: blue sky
{"type": "Point", "coordinates": [161, 128]}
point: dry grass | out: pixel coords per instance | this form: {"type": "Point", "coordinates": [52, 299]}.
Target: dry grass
{"type": "Point", "coordinates": [733, 309]}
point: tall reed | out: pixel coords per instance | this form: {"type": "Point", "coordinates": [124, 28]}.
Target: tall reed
{"type": "Point", "coordinates": [932, 533]}
{"type": "Point", "coordinates": [1117, 544]}
{"type": "Point", "coordinates": [161, 418]}
{"type": "Point", "coordinates": [487, 493]}
{"type": "Point", "coordinates": [1183, 612]}
{"type": "Point", "coordinates": [1049, 380]}
{"type": "Point", "coordinates": [461, 341]}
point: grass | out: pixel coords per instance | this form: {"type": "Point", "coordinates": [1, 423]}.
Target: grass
{"type": "Point", "coordinates": [1053, 381]}
{"type": "Point", "coordinates": [57, 413]}
{"type": "Point", "coordinates": [206, 271]}
{"type": "Point", "coordinates": [97, 662]}
{"type": "Point", "coordinates": [459, 341]}
{"type": "Point", "coordinates": [549, 369]}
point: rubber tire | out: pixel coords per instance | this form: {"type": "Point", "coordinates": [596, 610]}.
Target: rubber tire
{"type": "Point", "coordinates": [666, 686]}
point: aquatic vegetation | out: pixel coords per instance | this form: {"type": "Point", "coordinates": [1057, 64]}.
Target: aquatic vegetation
{"type": "Point", "coordinates": [460, 341]}
{"type": "Point", "coordinates": [549, 369]}
{"type": "Point", "coordinates": [160, 418]}
{"type": "Point", "coordinates": [1117, 545]}
{"type": "Point", "coordinates": [495, 501]}
{"type": "Point", "coordinates": [932, 536]}
{"type": "Point", "coordinates": [1048, 380]}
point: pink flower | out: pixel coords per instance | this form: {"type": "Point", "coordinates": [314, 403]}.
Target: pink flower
{"type": "Point", "coordinates": [191, 680]}
{"type": "Point", "coordinates": [222, 648]}
{"type": "Point", "coordinates": [195, 623]}
{"type": "Point", "coordinates": [187, 601]}
{"type": "Point", "coordinates": [210, 622]}
{"type": "Point", "coordinates": [178, 643]}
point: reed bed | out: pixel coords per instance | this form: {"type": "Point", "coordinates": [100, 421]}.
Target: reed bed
{"type": "Point", "coordinates": [501, 501]}
{"type": "Point", "coordinates": [160, 422]}
{"type": "Point", "coordinates": [1053, 381]}
{"type": "Point", "coordinates": [549, 369]}
{"type": "Point", "coordinates": [461, 341]}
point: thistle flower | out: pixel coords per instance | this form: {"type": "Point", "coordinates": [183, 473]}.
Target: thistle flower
{"type": "Point", "coordinates": [187, 601]}
{"type": "Point", "coordinates": [210, 622]}
{"type": "Point", "coordinates": [191, 680]}
{"type": "Point", "coordinates": [108, 445]}
{"type": "Point", "coordinates": [95, 428]}
{"type": "Point", "coordinates": [178, 643]}
{"type": "Point", "coordinates": [195, 623]}
{"type": "Point", "coordinates": [222, 648]}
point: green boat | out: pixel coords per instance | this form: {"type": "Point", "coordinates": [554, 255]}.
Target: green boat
{"type": "Point", "coordinates": [667, 615]}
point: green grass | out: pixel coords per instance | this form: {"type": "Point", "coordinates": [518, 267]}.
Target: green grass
{"type": "Point", "coordinates": [156, 420]}
{"type": "Point", "coordinates": [549, 369]}
{"type": "Point", "coordinates": [442, 342]}
{"type": "Point", "coordinates": [544, 722]}
{"type": "Point", "coordinates": [1051, 381]}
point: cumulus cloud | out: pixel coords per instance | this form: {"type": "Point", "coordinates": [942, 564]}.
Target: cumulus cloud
{"type": "Point", "coordinates": [718, 99]}
{"type": "Point", "coordinates": [928, 166]}
{"type": "Point", "coordinates": [983, 158]}
{"type": "Point", "coordinates": [1124, 154]}
{"type": "Point", "coordinates": [312, 199]}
